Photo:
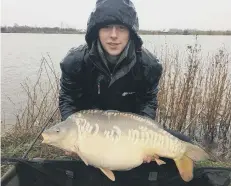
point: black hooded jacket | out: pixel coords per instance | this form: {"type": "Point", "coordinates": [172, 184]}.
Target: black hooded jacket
{"type": "Point", "coordinates": [86, 83]}
{"type": "Point", "coordinates": [132, 87]}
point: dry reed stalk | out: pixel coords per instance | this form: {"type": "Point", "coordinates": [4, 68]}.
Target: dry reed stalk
{"type": "Point", "coordinates": [194, 97]}
{"type": "Point", "coordinates": [215, 97]}
{"type": "Point", "coordinates": [41, 102]}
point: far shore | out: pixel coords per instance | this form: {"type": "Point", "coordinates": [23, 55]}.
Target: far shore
{"type": "Point", "coordinates": [58, 30]}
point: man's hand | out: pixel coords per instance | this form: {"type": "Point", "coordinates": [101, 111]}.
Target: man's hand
{"type": "Point", "coordinates": [148, 159]}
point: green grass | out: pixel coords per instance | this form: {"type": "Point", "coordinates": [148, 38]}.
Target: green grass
{"type": "Point", "coordinates": [213, 164]}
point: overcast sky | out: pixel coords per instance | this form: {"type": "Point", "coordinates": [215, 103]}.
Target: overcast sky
{"type": "Point", "coordinates": [153, 14]}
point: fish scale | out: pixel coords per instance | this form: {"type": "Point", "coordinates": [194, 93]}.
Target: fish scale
{"type": "Point", "coordinates": [136, 133]}
{"type": "Point", "coordinates": [112, 116]}
{"type": "Point", "coordinates": [113, 140]}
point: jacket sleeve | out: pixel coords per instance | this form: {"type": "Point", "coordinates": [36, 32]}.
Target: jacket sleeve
{"type": "Point", "coordinates": [149, 102]}
{"type": "Point", "coordinates": [148, 97]}
{"type": "Point", "coordinates": [71, 90]}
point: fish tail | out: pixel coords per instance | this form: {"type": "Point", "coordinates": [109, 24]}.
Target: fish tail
{"type": "Point", "coordinates": [185, 163]}
{"type": "Point", "coordinates": [185, 168]}
{"type": "Point", "coordinates": [195, 152]}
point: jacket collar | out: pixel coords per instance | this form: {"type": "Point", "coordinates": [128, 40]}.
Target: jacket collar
{"type": "Point", "coordinates": [121, 69]}
{"type": "Point", "coordinates": [117, 62]}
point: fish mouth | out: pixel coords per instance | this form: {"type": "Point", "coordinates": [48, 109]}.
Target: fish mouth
{"type": "Point", "coordinates": [44, 138]}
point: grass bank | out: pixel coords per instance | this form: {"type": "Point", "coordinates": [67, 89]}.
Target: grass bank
{"type": "Point", "coordinates": [194, 98]}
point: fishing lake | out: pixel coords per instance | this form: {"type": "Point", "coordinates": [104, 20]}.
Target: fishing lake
{"type": "Point", "coordinates": [21, 56]}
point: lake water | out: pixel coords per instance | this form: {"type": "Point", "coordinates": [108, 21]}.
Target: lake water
{"type": "Point", "coordinates": [21, 56]}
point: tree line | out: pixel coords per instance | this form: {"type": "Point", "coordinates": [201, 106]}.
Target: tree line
{"type": "Point", "coordinates": [57, 30]}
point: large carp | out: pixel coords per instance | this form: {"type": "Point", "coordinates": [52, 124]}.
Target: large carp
{"type": "Point", "coordinates": [113, 140]}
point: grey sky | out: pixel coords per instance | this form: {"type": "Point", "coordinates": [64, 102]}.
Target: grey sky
{"type": "Point", "coordinates": [153, 14]}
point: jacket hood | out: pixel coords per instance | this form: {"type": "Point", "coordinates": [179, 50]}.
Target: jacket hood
{"type": "Point", "coordinates": [113, 11]}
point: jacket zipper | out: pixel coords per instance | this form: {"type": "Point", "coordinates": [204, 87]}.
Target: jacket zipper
{"type": "Point", "coordinates": [107, 74]}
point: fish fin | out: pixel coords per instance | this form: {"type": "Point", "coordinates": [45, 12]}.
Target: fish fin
{"type": "Point", "coordinates": [185, 168]}
{"type": "Point", "coordinates": [195, 152]}
{"type": "Point", "coordinates": [108, 173]}
{"type": "Point", "coordinates": [81, 157]}
{"type": "Point", "coordinates": [159, 161]}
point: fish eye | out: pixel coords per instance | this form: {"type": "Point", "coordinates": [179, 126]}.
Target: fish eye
{"type": "Point", "coordinates": [57, 130]}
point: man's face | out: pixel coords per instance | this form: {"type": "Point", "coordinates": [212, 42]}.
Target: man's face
{"type": "Point", "coordinates": [114, 38]}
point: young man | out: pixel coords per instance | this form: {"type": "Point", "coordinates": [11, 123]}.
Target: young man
{"type": "Point", "coordinates": [112, 71]}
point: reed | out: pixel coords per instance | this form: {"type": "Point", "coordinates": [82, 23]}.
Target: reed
{"type": "Point", "coordinates": [194, 98]}
{"type": "Point", "coordinates": [41, 101]}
